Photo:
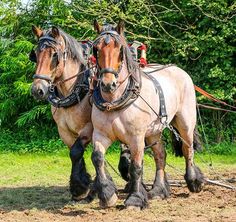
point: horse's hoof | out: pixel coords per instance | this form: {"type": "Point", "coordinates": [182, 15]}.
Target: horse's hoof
{"type": "Point", "coordinates": [159, 192]}
{"type": "Point", "coordinates": [81, 197]}
{"type": "Point", "coordinates": [195, 186]}
{"type": "Point", "coordinates": [84, 201]}
{"type": "Point", "coordinates": [110, 203]}
{"type": "Point", "coordinates": [194, 179]}
{"type": "Point", "coordinates": [152, 195]}
{"type": "Point", "coordinates": [137, 200]}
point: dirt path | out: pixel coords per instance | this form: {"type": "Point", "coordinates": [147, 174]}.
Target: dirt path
{"type": "Point", "coordinates": [212, 204]}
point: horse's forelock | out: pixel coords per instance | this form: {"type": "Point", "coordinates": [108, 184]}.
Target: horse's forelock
{"type": "Point", "coordinates": [73, 48]}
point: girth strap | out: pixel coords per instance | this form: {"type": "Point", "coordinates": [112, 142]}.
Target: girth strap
{"type": "Point", "coordinates": [162, 111]}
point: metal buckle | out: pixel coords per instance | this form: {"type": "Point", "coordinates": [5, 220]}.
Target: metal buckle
{"type": "Point", "coordinates": [51, 88]}
{"type": "Point", "coordinates": [164, 122]}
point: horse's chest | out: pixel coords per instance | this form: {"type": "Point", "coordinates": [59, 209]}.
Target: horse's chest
{"type": "Point", "coordinates": [69, 120]}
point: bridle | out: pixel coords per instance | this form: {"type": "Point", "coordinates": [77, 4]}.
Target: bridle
{"type": "Point", "coordinates": [48, 41]}
{"type": "Point", "coordinates": [81, 85]}
{"type": "Point", "coordinates": [133, 86]}
{"type": "Point", "coordinates": [107, 35]}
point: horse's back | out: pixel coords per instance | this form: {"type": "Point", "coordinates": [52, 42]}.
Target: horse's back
{"type": "Point", "coordinates": [177, 87]}
{"type": "Point", "coordinates": [169, 73]}
{"type": "Point", "coordinates": [172, 77]}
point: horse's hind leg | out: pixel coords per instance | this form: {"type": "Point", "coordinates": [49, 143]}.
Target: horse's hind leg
{"type": "Point", "coordinates": [160, 186]}
{"type": "Point", "coordinates": [193, 176]}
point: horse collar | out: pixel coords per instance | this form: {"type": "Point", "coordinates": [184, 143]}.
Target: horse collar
{"type": "Point", "coordinates": [129, 96]}
{"type": "Point", "coordinates": [78, 92]}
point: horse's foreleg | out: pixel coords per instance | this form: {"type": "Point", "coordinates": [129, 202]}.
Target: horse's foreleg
{"type": "Point", "coordinates": [138, 195]}
{"type": "Point", "coordinates": [103, 183]}
{"type": "Point", "coordinates": [160, 186]}
{"type": "Point", "coordinates": [79, 180]}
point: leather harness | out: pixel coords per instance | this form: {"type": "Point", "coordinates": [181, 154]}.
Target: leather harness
{"type": "Point", "coordinates": [132, 90]}
{"type": "Point", "coordinates": [78, 92]}
{"type": "Point", "coordinates": [81, 87]}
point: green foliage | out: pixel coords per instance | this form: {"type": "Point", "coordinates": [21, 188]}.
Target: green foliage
{"type": "Point", "coordinates": [223, 149]}
{"type": "Point", "coordinates": [45, 142]}
{"type": "Point", "coordinates": [197, 35]}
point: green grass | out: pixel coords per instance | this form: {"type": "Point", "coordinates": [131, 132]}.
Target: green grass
{"type": "Point", "coordinates": [54, 169]}
{"type": "Point", "coordinates": [40, 181]}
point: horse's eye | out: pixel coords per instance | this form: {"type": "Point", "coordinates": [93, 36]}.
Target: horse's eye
{"type": "Point", "coordinates": [54, 55]}
{"type": "Point", "coordinates": [55, 59]}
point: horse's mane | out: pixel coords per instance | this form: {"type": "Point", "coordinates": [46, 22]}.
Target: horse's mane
{"type": "Point", "coordinates": [73, 48]}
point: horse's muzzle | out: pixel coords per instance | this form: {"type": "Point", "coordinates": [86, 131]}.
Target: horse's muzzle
{"type": "Point", "coordinates": [109, 87]}
{"type": "Point", "coordinates": [39, 91]}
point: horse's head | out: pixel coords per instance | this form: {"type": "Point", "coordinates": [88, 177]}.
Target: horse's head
{"type": "Point", "coordinates": [50, 56]}
{"type": "Point", "coordinates": [109, 52]}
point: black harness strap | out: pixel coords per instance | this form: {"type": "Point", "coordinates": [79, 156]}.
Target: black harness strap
{"type": "Point", "coordinates": [162, 111]}
{"type": "Point", "coordinates": [130, 94]}
{"type": "Point", "coordinates": [78, 92]}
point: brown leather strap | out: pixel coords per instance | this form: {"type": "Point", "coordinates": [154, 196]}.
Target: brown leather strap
{"type": "Point", "coordinates": [211, 97]}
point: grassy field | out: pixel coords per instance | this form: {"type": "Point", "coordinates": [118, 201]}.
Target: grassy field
{"type": "Point", "coordinates": [37, 184]}
{"type": "Point", "coordinates": [54, 169]}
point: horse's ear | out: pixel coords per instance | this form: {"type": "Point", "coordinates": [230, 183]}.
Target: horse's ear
{"type": "Point", "coordinates": [120, 27]}
{"type": "Point", "coordinates": [55, 32]}
{"type": "Point", "coordinates": [97, 27]}
{"type": "Point", "coordinates": [37, 31]}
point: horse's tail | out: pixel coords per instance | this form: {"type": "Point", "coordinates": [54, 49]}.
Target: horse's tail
{"type": "Point", "coordinates": [177, 143]}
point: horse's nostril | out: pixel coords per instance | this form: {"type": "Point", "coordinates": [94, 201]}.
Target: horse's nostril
{"type": "Point", "coordinates": [40, 92]}
{"type": "Point", "coordinates": [114, 84]}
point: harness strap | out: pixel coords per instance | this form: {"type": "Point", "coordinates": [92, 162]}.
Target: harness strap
{"type": "Point", "coordinates": [130, 94]}
{"type": "Point", "coordinates": [78, 92]}
{"type": "Point", "coordinates": [109, 70]}
{"type": "Point", "coordinates": [162, 111]}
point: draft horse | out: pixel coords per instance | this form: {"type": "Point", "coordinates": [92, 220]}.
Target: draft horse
{"type": "Point", "coordinates": [59, 59]}
{"type": "Point", "coordinates": [129, 106]}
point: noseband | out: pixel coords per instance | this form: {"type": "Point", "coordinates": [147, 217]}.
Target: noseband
{"type": "Point", "coordinates": [43, 77]}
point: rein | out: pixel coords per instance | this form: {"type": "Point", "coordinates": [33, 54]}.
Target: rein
{"type": "Point", "coordinates": [76, 75]}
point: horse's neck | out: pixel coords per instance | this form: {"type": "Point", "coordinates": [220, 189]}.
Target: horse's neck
{"type": "Point", "coordinates": [71, 68]}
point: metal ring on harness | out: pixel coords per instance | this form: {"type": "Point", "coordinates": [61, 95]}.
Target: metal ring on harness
{"type": "Point", "coordinates": [164, 122]}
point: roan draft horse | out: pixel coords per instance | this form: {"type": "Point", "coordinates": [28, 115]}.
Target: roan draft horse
{"type": "Point", "coordinates": [134, 107]}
